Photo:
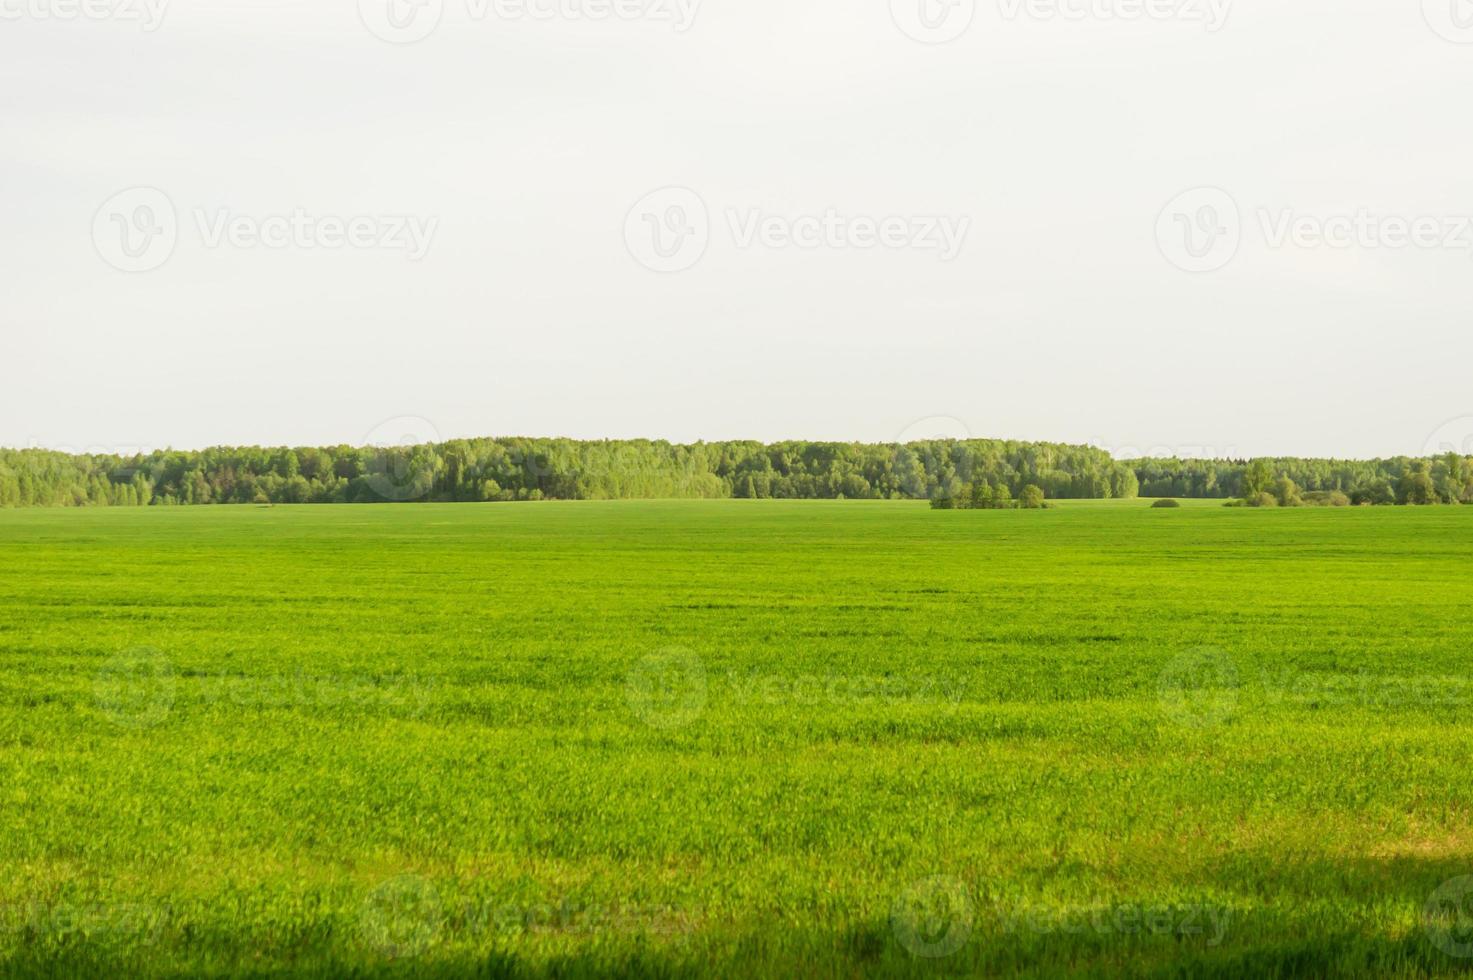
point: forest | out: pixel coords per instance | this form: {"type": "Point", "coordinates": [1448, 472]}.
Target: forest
{"type": "Point", "coordinates": [980, 472]}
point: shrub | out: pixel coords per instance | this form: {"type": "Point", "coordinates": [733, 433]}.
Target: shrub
{"type": "Point", "coordinates": [1286, 491]}
{"type": "Point", "coordinates": [1374, 493]}
{"type": "Point", "coordinates": [1162, 504]}
{"type": "Point", "coordinates": [1032, 498]}
{"type": "Point", "coordinates": [1261, 500]}
{"type": "Point", "coordinates": [1326, 498]}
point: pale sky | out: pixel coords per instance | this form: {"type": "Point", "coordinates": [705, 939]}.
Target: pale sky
{"type": "Point", "coordinates": [1198, 226]}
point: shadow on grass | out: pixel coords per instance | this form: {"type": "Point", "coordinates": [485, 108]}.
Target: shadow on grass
{"type": "Point", "coordinates": [1290, 919]}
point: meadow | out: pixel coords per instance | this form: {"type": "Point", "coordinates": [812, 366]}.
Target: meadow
{"type": "Point", "coordinates": [808, 738]}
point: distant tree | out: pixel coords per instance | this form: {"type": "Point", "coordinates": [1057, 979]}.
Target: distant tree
{"type": "Point", "coordinates": [1286, 491]}
{"type": "Point", "coordinates": [1416, 486]}
{"type": "Point", "coordinates": [1376, 492]}
{"type": "Point", "coordinates": [1032, 498]}
{"type": "Point", "coordinates": [1258, 479]}
{"type": "Point", "coordinates": [1326, 498]}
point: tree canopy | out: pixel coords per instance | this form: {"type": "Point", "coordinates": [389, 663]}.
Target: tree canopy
{"type": "Point", "coordinates": [980, 473]}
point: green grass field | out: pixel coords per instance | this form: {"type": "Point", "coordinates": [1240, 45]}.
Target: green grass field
{"type": "Point", "coordinates": [736, 738]}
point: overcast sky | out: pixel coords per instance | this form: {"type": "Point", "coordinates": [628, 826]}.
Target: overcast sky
{"type": "Point", "coordinates": [1199, 226]}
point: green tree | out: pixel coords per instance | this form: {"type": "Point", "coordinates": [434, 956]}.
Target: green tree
{"type": "Point", "coordinates": [1286, 492]}
{"type": "Point", "coordinates": [1416, 486]}
{"type": "Point", "coordinates": [1258, 479]}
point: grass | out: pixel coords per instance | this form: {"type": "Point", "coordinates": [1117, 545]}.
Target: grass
{"type": "Point", "coordinates": [720, 738]}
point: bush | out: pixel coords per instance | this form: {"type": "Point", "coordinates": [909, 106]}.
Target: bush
{"type": "Point", "coordinates": [1162, 504]}
{"type": "Point", "coordinates": [1375, 493]}
{"type": "Point", "coordinates": [1326, 498]}
{"type": "Point", "coordinates": [1261, 500]}
{"type": "Point", "coordinates": [1032, 498]}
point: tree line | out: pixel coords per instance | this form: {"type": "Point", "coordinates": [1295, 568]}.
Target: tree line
{"type": "Point", "coordinates": [961, 473]}
{"type": "Point", "coordinates": [513, 469]}
{"type": "Point", "coordinates": [1446, 479]}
